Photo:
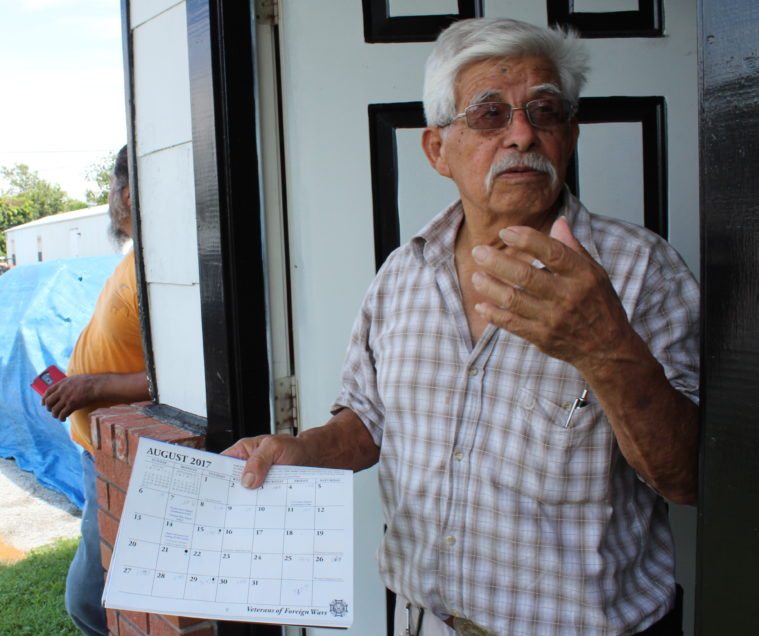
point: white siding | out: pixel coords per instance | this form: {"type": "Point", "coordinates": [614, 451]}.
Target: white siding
{"type": "Point", "coordinates": [144, 10]}
{"type": "Point", "coordinates": [177, 345]}
{"type": "Point", "coordinates": [67, 235]}
{"type": "Point", "coordinates": [163, 134]}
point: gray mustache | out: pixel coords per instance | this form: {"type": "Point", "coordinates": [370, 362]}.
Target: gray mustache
{"type": "Point", "coordinates": [531, 160]}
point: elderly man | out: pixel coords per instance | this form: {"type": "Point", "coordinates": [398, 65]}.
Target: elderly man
{"type": "Point", "coordinates": [107, 367]}
{"type": "Point", "coordinates": [525, 372]}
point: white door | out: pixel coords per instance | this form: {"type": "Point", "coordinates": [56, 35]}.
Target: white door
{"type": "Point", "coordinates": [331, 76]}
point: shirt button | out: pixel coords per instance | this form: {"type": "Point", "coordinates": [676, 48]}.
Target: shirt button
{"type": "Point", "coordinates": [458, 455]}
{"type": "Point", "coordinates": [473, 371]}
{"type": "Point", "coordinates": [450, 540]}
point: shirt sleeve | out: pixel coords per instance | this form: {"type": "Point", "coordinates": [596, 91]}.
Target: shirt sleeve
{"type": "Point", "coordinates": [359, 391]}
{"type": "Point", "coordinates": [667, 318]}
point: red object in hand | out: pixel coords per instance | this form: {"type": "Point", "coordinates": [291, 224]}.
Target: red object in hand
{"type": "Point", "coordinates": [47, 378]}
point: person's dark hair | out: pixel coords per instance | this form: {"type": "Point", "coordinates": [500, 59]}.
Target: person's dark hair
{"type": "Point", "coordinates": [121, 169]}
{"type": "Point", "coordinates": [116, 208]}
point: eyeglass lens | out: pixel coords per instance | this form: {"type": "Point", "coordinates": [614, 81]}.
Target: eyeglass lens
{"type": "Point", "coordinates": [541, 113]}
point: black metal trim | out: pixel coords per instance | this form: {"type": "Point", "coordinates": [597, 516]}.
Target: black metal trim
{"type": "Point", "coordinates": [230, 221]}
{"type": "Point", "coordinates": [142, 284]}
{"type": "Point", "coordinates": [190, 422]}
{"type": "Point", "coordinates": [285, 215]}
{"type": "Point", "coordinates": [728, 517]}
{"type": "Point", "coordinates": [379, 26]}
{"type": "Point", "coordinates": [390, 600]}
{"type": "Point", "coordinates": [651, 113]}
{"type": "Point", "coordinates": [646, 22]}
{"type": "Point", "coordinates": [384, 119]}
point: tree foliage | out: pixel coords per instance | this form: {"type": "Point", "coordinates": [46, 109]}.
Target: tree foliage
{"type": "Point", "coordinates": [25, 197]}
{"type": "Point", "coordinates": [99, 173]}
{"type": "Point", "coordinates": [12, 212]}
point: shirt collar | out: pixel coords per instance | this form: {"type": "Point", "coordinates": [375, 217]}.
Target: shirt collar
{"type": "Point", "coordinates": [436, 241]}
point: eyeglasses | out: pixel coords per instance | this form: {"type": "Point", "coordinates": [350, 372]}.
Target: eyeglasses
{"type": "Point", "coordinates": [545, 112]}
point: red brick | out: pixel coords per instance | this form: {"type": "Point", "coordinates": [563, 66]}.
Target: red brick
{"type": "Point", "coordinates": [105, 430]}
{"type": "Point", "coordinates": [106, 552]}
{"type": "Point", "coordinates": [105, 419]}
{"type": "Point", "coordinates": [113, 470]}
{"type": "Point", "coordinates": [122, 428]}
{"type": "Point", "coordinates": [113, 621]}
{"type": "Point", "coordinates": [139, 619]}
{"type": "Point", "coordinates": [108, 527]}
{"type": "Point", "coordinates": [120, 448]}
{"type": "Point", "coordinates": [102, 490]}
{"type": "Point", "coordinates": [162, 433]}
{"type": "Point", "coordinates": [126, 628]}
{"type": "Point", "coordinates": [116, 498]}
{"type": "Point", "coordinates": [197, 441]}
{"type": "Point", "coordinates": [104, 465]}
{"type": "Point", "coordinates": [115, 409]}
{"type": "Point", "coordinates": [181, 622]}
{"type": "Point", "coordinates": [95, 433]}
{"type": "Point", "coordinates": [159, 626]}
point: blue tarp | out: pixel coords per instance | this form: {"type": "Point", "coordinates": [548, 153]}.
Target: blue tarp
{"type": "Point", "coordinates": [43, 308]}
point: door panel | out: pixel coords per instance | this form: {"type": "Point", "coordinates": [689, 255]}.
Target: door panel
{"type": "Point", "coordinates": [341, 215]}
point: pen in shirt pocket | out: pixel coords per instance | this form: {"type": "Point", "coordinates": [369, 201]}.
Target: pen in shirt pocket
{"type": "Point", "coordinates": [580, 401]}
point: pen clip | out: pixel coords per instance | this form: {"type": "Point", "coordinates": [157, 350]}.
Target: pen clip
{"type": "Point", "coordinates": [578, 402]}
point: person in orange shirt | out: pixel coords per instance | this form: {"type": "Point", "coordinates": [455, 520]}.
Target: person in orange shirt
{"type": "Point", "coordinates": [107, 367]}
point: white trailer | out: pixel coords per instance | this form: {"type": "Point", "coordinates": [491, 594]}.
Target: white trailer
{"type": "Point", "coordinates": [64, 235]}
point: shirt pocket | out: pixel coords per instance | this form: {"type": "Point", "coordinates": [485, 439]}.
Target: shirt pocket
{"type": "Point", "coordinates": [545, 460]}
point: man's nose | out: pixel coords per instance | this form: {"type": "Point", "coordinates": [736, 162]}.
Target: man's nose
{"type": "Point", "coordinates": [520, 133]}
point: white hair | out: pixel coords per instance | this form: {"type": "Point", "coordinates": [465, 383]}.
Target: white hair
{"type": "Point", "coordinates": [476, 39]}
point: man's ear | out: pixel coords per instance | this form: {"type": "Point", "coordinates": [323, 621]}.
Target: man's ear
{"type": "Point", "coordinates": [432, 144]}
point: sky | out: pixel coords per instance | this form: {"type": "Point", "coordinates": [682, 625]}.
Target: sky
{"type": "Point", "coordinates": [61, 87]}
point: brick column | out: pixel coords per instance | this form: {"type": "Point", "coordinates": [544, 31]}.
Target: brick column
{"type": "Point", "coordinates": [115, 432]}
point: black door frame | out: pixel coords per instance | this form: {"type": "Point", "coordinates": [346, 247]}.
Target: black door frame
{"type": "Point", "coordinates": [728, 514]}
{"type": "Point", "coordinates": [230, 222]}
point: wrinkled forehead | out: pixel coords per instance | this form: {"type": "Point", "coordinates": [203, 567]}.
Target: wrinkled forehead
{"type": "Point", "coordinates": [497, 78]}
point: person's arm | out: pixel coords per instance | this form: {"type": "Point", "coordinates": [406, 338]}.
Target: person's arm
{"type": "Point", "coordinates": [343, 442]}
{"type": "Point", "coordinates": [570, 311]}
{"type": "Point", "coordinates": [79, 391]}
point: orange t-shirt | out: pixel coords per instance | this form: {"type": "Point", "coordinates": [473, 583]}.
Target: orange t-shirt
{"type": "Point", "coordinates": [111, 342]}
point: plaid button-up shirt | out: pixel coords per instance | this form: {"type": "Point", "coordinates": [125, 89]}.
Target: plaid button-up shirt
{"type": "Point", "coordinates": [495, 511]}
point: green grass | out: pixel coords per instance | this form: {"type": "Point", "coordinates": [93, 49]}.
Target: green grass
{"type": "Point", "coordinates": [31, 592]}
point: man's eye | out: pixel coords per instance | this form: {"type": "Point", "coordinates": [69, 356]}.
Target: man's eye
{"type": "Point", "coordinates": [488, 112]}
{"type": "Point", "coordinates": [545, 106]}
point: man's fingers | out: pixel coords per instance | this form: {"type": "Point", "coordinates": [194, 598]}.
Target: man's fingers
{"type": "Point", "coordinates": [255, 470]}
{"type": "Point", "coordinates": [508, 297]}
{"type": "Point", "coordinates": [242, 448]}
{"type": "Point", "coordinates": [261, 453]}
{"type": "Point", "coordinates": [561, 232]}
{"type": "Point", "coordinates": [550, 250]}
{"type": "Point", "coordinates": [511, 322]}
{"type": "Point", "coordinates": [512, 270]}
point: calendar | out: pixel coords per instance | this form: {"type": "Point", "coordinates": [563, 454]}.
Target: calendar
{"type": "Point", "coordinates": [192, 541]}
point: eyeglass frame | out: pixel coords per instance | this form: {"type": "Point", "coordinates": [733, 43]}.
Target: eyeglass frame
{"type": "Point", "coordinates": [571, 112]}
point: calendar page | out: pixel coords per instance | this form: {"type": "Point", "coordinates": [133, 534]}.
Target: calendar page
{"type": "Point", "coordinates": [193, 542]}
